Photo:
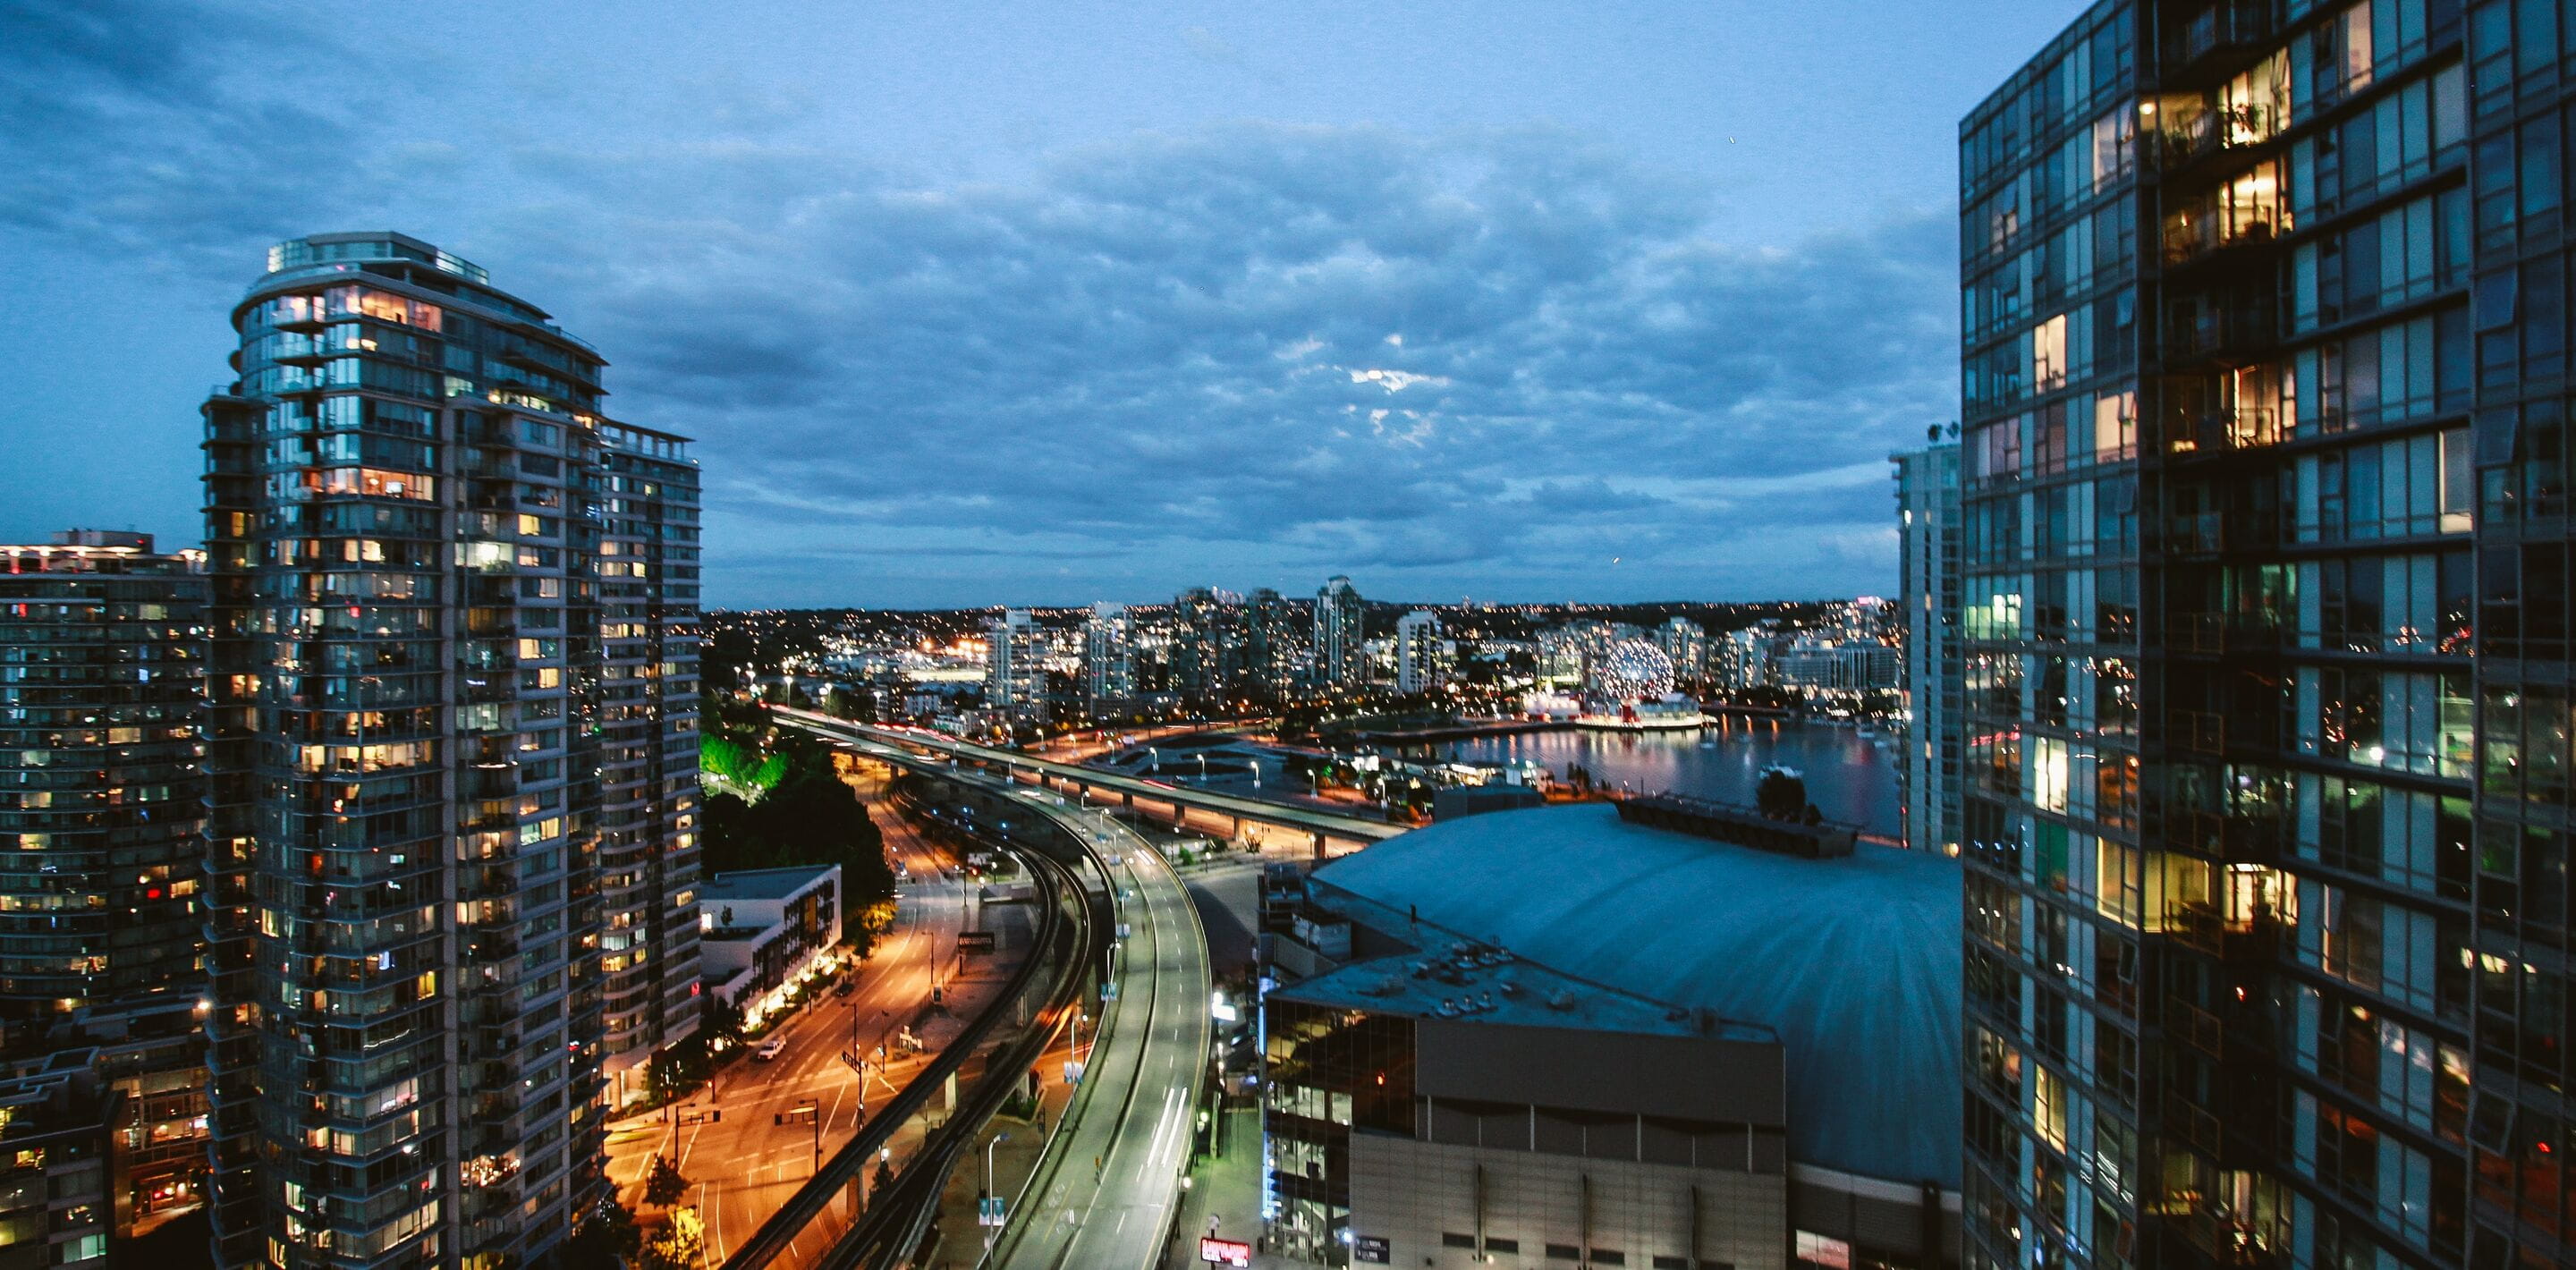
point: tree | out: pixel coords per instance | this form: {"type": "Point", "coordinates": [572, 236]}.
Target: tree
{"type": "Point", "coordinates": [665, 1185]}
{"type": "Point", "coordinates": [605, 1240]}
{"type": "Point", "coordinates": [884, 1178]}
{"type": "Point", "coordinates": [1782, 794]}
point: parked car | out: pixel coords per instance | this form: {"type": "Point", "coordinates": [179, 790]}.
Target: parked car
{"type": "Point", "coordinates": [769, 1049]}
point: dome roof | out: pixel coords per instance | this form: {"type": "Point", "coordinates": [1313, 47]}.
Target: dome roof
{"type": "Point", "coordinates": [1855, 962]}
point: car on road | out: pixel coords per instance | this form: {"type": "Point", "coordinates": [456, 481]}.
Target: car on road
{"type": "Point", "coordinates": [769, 1049]}
{"type": "Point", "coordinates": [845, 988]}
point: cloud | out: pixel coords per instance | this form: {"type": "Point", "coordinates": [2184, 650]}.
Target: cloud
{"type": "Point", "coordinates": [1242, 353]}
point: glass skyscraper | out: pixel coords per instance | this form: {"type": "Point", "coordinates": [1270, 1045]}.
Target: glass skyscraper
{"type": "Point", "coordinates": [2265, 358]}
{"type": "Point", "coordinates": [1927, 511]}
{"type": "Point", "coordinates": [102, 759]}
{"type": "Point", "coordinates": [453, 842]}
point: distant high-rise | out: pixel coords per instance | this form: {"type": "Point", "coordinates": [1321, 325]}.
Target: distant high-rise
{"type": "Point", "coordinates": [1013, 683]}
{"type": "Point", "coordinates": [1421, 657]}
{"type": "Point", "coordinates": [2266, 661]}
{"type": "Point", "coordinates": [1685, 642]}
{"type": "Point", "coordinates": [1340, 660]}
{"type": "Point", "coordinates": [1927, 512]}
{"type": "Point", "coordinates": [1279, 642]}
{"type": "Point", "coordinates": [453, 855]}
{"type": "Point", "coordinates": [102, 824]}
{"type": "Point", "coordinates": [1108, 653]}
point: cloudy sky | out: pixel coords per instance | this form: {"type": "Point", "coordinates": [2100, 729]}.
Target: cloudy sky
{"type": "Point", "coordinates": [1062, 301]}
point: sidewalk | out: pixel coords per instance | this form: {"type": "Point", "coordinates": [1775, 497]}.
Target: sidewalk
{"type": "Point", "coordinates": [1225, 1187]}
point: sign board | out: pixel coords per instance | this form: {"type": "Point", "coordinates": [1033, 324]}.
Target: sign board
{"type": "Point", "coordinates": [1225, 1252]}
{"type": "Point", "coordinates": [988, 1211]}
{"type": "Point", "coordinates": [1371, 1249]}
{"type": "Point", "coordinates": [1072, 1072]}
{"type": "Point", "coordinates": [974, 941]}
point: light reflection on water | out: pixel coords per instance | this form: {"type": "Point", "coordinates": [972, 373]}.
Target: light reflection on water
{"type": "Point", "coordinates": [1849, 777]}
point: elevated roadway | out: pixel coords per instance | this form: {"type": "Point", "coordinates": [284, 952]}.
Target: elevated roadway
{"type": "Point", "coordinates": [1326, 832]}
{"type": "Point", "coordinates": [1107, 1188]}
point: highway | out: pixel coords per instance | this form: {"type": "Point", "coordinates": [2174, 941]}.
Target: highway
{"type": "Point", "coordinates": [744, 1165]}
{"type": "Point", "coordinates": [1111, 1182]}
{"type": "Point", "coordinates": [1105, 1194]}
{"type": "Point", "coordinates": [1353, 832]}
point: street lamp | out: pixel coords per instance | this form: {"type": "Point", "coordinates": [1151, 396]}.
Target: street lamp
{"type": "Point", "coordinates": [996, 1140]}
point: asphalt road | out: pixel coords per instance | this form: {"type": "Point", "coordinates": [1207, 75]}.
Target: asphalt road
{"type": "Point", "coordinates": [1106, 1198]}
{"type": "Point", "coordinates": [744, 1165]}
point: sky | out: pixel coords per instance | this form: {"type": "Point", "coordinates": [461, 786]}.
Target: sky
{"type": "Point", "coordinates": [1055, 302]}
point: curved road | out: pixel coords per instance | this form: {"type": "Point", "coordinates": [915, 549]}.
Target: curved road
{"type": "Point", "coordinates": [1111, 1184]}
{"type": "Point", "coordinates": [1106, 1194]}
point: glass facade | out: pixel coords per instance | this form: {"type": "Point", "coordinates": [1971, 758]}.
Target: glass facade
{"type": "Point", "coordinates": [2265, 325]}
{"type": "Point", "coordinates": [454, 681]}
{"type": "Point", "coordinates": [1332, 1072]}
{"type": "Point", "coordinates": [102, 752]}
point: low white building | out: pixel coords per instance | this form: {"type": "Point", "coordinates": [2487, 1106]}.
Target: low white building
{"type": "Point", "coordinates": [761, 930]}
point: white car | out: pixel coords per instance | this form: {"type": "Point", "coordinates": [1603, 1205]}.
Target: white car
{"type": "Point", "coordinates": [769, 1049]}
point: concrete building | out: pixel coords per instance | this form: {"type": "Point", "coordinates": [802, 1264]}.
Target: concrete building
{"type": "Point", "coordinates": [102, 825]}
{"type": "Point", "coordinates": [1747, 658]}
{"type": "Point", "coordinates": [1280, 646]}
{"type": "Point", "coordinates": [1209, 645]}
{"type": "Point", "coordinates": [1823, 669]}
{"type": "Point", "coordinates": [1456, 1116]}
{"type": "Point", "coordinates": [2265, 377]}
{"type": "Point", "coordinates": [452, 867]}
{"type": "Point", "coordinates": [1421, 656]}
{"type": "Point", "coordinates": [1108, 658]}
{"type": "Point", "coordinates": [1607, 1031]}
{"type": "Point", "coordinates": [1685, 643]}
{"type": "Point", "coordinates": [1927, 515]}
{"type": "Point", "coordinates": [766, 929]}
{"type": "Point", "coordinates": [1014, 685]}
{"type": "Point", "coordinates": [1340, 636]}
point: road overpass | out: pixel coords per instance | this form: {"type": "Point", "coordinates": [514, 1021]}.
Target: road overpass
{"type": "Point", "coordinates": [1228, 815]}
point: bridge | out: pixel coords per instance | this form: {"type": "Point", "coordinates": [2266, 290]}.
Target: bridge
{"type": "Point", "coordinates": [1322, 832]}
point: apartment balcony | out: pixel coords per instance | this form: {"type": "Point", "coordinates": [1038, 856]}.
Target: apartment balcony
{"type": "Point", "coordinates": [2216, 533]}
{"type": "Point", "coordinates": [2196, 731]}
{"type": "Point", "coordinates": [2223, 430]}
{"type": "Point", "coordinates": [2213, 44]}
{"type": "Point", "coordinates": [2235, 334]}
{"type": "Point", "coordinates": [2192, 238]}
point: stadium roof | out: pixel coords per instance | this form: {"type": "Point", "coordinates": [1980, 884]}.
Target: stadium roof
{"type": "Point", "coordinates": [1855, 962]}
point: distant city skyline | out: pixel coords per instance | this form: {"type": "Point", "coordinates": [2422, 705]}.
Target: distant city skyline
{"type": "Point", "coordinates": [1572, 307]}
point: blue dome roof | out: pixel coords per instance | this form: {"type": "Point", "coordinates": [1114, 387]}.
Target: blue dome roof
{"type": "Point", "coordinates": [1855, 962]}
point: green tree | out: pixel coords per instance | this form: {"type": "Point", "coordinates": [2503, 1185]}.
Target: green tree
{"type": "Point", "coordinates": [665, 1185]}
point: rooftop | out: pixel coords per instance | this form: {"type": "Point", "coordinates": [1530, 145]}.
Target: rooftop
{"type": "Point", "coordinates": [1853, 961]}
{"type": "Point", "coordinates": [1454, 978]}
{"type": "Point", "coordinates": [763, 884]}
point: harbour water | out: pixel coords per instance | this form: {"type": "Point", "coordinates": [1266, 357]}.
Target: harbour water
{"type": "Point", "coordinates": [1849, 777]}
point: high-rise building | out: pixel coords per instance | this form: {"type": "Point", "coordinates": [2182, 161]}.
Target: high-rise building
{"type": "Point", "coordinates": [453, 851]}
{"type": "Point", "coordinates": [1927, 513]}
{"type": "Point", "coordinates": [1108, 652]}
{"type": "Point", "coordinates": [1209, 644]}
{"type": "Point", "coordinates": [102, 821]}
{"type": "Point", "coordinates": [1421, 656]}
{"type": "Point", "coordinates": [1013, 682]}
{"type": "Point", "coordinates": [1685, 642]}
{"type": "Point", "coordinates": [1279, 642]}
{"type": "Point", "coordinates": [1748, 657]}
{"type": "Point", "coordinates": [2266, 705]}
{"type": "Point", "coordinates": [1341, 662]}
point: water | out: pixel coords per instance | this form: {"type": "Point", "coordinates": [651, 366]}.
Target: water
{"type": "Point", "coordinates": [1849, 778]}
